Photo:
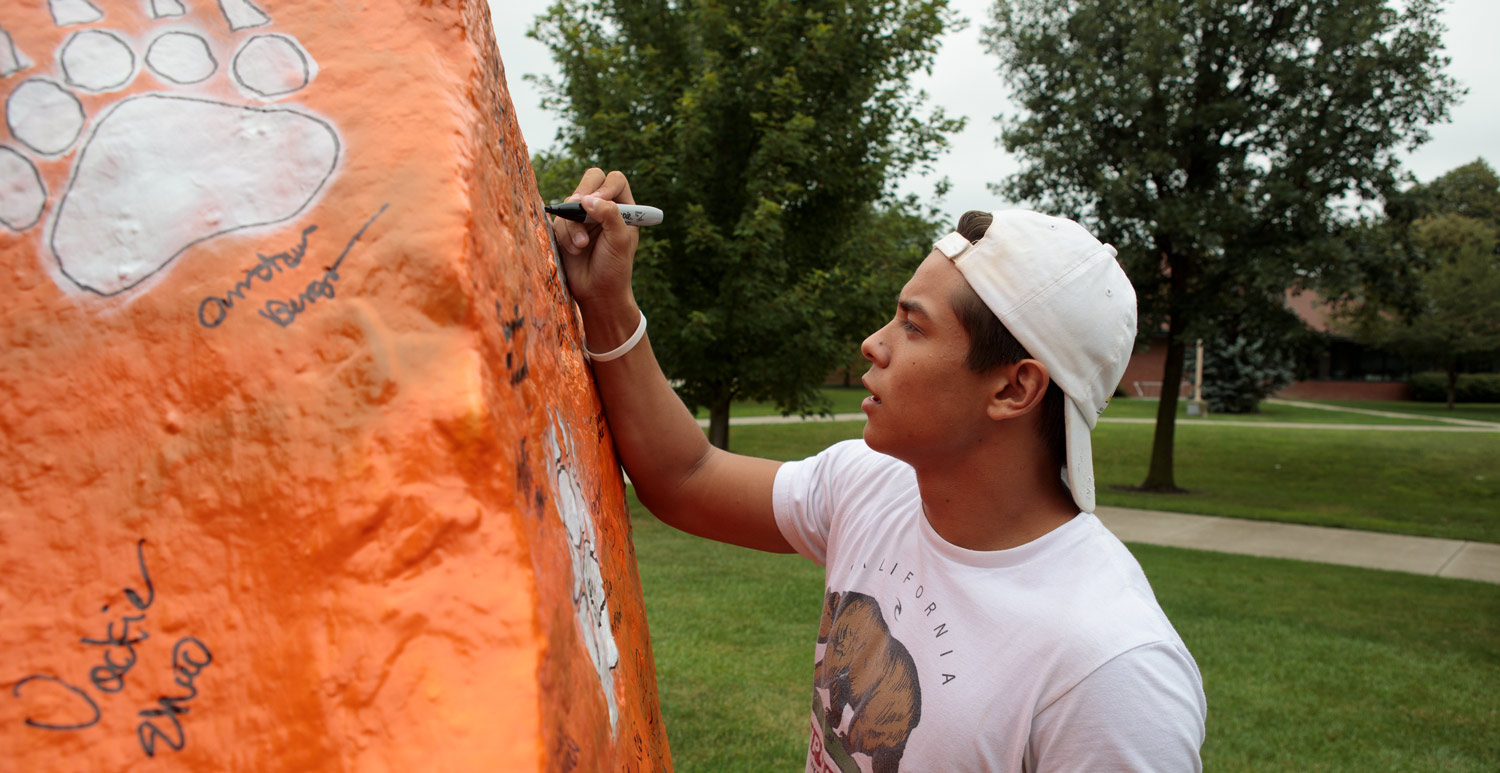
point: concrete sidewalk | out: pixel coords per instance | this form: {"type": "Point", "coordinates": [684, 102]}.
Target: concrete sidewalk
{"type": "Point", "coordinates": [1457, 559]}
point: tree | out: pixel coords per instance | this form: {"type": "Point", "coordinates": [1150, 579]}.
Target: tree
{"type": "Point", "coordinates": [1427, 281]}
{"type": "Point", "coordinates": [1471, 190]}
{"type": "Point", "coordinates": [765, 130]}
{"type": "Point", "coordinates": [1207, 140]}
{"type": "Point", "coordinates": [1459, 309]}
{"type": "Point", "coordinates": [1382, 267]}
{"type": "Point", "coordinates": [889, 241]}
{"type": "Point", "coordinates": [557, 174]}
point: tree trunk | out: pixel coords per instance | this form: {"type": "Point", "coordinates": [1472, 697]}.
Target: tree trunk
{"type": "Point", "coordinates": [1160, 477]}
{"type": "Point", "coordinates": [1452, 385]}
{"type": "Point", "coordinates": [718, 423]}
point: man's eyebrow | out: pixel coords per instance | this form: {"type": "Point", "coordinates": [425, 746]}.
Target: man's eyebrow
{"type": "Point", "coordinates": [912, 307]}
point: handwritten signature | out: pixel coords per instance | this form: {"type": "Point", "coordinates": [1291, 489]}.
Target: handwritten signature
{"type": "Point", "coordinates": [284, 313]}
{"type": "Point", "coordinates": [213, 310]}
{"type": "Point", "coordinates": [189, 657]}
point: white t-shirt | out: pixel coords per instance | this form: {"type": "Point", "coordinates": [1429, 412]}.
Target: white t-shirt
{"type": "Point", "coordinates": [1051, 656]}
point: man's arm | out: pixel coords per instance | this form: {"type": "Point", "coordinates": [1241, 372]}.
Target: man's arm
{"type": "Point", "coordinates": [677, 474]}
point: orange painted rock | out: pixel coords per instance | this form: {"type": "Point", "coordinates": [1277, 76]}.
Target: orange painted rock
{"type": "Point", "coordinates": [302, 468]}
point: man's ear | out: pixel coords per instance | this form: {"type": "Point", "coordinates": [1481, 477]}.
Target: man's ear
{"type": "Point", "coordinates": [1017, 389]}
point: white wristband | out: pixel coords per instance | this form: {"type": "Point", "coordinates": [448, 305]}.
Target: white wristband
{"type": "Point", "coordinates": [622, 349]}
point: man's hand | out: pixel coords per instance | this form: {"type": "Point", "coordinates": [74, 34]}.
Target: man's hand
{"type": "Point", "coordinates": [677, 474]}
{"type": "Point", "coordinates": [597, 256]}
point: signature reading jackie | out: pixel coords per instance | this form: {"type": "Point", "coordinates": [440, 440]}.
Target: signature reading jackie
{"type": "Point", "coordinates": [118, 656]}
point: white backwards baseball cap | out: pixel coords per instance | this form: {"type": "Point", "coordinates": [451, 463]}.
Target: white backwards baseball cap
{"type": "Point", "coordinates": [1063, 296]}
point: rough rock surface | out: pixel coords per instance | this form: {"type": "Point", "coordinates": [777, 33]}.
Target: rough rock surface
{"type": "Point", "coordinates": [302, 466]}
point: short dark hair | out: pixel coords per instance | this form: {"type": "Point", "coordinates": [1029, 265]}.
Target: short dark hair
{"type": "Point", "coordinates": [991, 345]}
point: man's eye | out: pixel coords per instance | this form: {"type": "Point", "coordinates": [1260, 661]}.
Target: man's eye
{"type": "Point", "coordinates": [908, 326]}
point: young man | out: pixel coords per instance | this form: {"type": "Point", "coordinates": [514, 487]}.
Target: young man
{"type": "Point", "coordinates": [977, 615]}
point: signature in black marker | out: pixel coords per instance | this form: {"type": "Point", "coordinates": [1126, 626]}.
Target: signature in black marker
{"type": "Point", "coordinates": [213, 310]}
{"type": "Point", "coordinates": [93, 707]}
{"type": "Point", "coordinates": [109, 677]}
{"type": "Point", "coordinates": [284, 313]}
{"type": "Point", "coordinates": [189, 658]}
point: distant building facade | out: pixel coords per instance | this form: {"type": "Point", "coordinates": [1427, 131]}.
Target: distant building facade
{"type": "Point", "coordinates": [1342, 369]}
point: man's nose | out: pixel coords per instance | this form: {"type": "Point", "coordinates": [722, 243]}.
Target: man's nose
{"type": "Point", "coordinates": [872, 348]}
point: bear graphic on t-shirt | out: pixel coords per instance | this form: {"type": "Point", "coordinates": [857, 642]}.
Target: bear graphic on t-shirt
{"type": "Point", "coordinates": [864, 668]}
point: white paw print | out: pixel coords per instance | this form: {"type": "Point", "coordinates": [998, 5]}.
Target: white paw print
{"type": "Point", "coordinates": [155, 172]}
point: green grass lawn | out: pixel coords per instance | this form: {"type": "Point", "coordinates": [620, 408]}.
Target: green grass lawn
{"type": "Point", "coordinates": [1435, 484]}
{"type": "Point", "coordinates": [1475, 411]}
{"type": "Point", "coordinates": [732, 632]}
{"type": "Point", "coordinates": [847, 400]}
{"type": "Point", "coordinates": [1138, 408]}
{"type": "Point", "coordinates": [1306, 666]}
{"type": "Point", "coordinates": [840, 400]}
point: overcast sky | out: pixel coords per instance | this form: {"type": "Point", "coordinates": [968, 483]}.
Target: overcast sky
{"type": "Point", "coordinates": [965, 82]}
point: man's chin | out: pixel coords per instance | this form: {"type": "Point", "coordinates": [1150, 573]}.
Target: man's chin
{"type": "Point", "coordinates": [883, 443]}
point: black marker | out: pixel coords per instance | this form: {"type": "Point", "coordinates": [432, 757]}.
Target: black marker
{"type": "Point", "coordinates": [633, 214]}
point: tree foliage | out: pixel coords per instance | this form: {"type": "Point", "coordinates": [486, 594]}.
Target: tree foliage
{"type": "Point", "coordinates": [765, 130]}
{"type": "Point", "coordinates": [1207, 139]}
{"type": "Point", "coordinates": [1381, 269]}
{"type": "Point", "coordinates": [557, 174]}
{"type": "Point", "coordinates": [1443, 240]}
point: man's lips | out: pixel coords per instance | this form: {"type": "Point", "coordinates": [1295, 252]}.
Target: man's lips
{"type": "Point", "coordinates": [873, 399]}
